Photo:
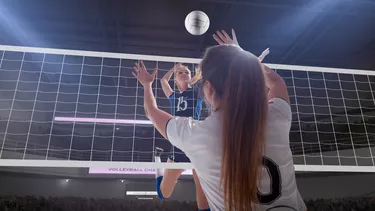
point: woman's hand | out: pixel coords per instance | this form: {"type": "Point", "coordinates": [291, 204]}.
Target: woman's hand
{"type": "Point", "coordinates": [176, 67]}
{"type": "Point", "coordinates": [222, 38]}
{"type": "Point", "coordinates": [264, 54]}
{"type": "Point", "coordinates": [142, 75]}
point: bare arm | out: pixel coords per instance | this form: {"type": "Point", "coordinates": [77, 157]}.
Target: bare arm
{"type": "Point", "coordinates": [165, 81]}
{"type": "Point", "coordinates": [264, 54]}
{"type": "Point", "coordinates": [276, 85]}
{"type": "Point", "coordinates": [159, 118]}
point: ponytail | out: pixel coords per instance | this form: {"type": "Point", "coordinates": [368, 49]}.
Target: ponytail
{"type": "Point", "coordinates": [240, 90]}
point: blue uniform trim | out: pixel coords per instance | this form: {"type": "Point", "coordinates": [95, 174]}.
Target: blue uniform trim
{"type": "Point", "coordinates": [158, 191]}
{"type": "Point", "coordinates": [198, 108]}
{"type": "Point", "coordinates": [205, 209]}
{"type": "Point", "coordinates": [171, 99]}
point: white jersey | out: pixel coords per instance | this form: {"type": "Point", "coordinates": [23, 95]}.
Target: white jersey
{"type": "Point", "coordinates": [201, 141]}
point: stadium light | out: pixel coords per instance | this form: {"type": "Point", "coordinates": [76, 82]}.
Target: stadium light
{"type": "Point", "coordinates": [141, 193]}
{"type": "Point", "coordinates": [145, 198]}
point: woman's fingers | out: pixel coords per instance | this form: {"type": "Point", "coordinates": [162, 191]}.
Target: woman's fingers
{"type": "Point", "coordinates": [222, 37]}
{"type": "Point", "coordinates": [143, 66]}
{"type": "Point", "coordinates": [136, 69]}
{"type": "Point", "coordinates": [140, 69]}
{"type": "Point", "coordinates": [154, 72]}
{"type": "Point", "coordinates": [218, 40]}
{"type": "Point", "coordinates": [176, 67]}
{"type": "Point", "coordinates": [227, 37]}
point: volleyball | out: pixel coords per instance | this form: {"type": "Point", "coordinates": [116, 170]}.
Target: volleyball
{"type": "Point", "coordinates": [197, 22]}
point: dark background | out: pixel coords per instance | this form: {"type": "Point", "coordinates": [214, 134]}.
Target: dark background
{"type": "Point", "coordinates": [329, 33]}
{"type": "Point", "coordinates": [334, 33]}
{"type": "Point", "coordinates": [333, 114]}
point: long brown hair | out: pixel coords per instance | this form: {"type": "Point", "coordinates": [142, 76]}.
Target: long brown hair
{"type": "Point", "coordinates": [240, 91]}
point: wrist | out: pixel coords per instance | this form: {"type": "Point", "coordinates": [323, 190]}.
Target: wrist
{"type": "Point", "coordinates": [147, 86]}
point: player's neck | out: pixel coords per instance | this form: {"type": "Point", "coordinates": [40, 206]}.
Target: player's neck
{"type": "Point", "coordinates": [183, 87]}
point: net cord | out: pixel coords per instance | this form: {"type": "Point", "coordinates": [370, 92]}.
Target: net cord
{"type": "Point", "coordinates": [170, 59]}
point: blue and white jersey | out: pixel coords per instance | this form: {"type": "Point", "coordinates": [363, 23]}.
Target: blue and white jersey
{"type": "Point", "coordinates": [186, 104]}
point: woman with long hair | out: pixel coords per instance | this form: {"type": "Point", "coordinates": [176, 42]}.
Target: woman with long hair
{"type": "Point", "coordinates": [241, 152]}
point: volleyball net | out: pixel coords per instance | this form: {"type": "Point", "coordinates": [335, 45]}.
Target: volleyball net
{"type": "Point", "coordinates": [68, 108]}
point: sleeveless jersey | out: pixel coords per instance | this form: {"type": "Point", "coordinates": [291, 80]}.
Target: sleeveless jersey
{"type": "Point", "coordinates": [186, 104]}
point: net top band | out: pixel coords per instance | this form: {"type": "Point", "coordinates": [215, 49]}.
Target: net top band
{"type": "Point", "coordinates": [170, 59]}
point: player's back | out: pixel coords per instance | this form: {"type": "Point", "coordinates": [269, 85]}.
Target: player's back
{"type": "Point", "coordinates": [278, 183]}
{"type": "Point", "coordinates": [202, 143]}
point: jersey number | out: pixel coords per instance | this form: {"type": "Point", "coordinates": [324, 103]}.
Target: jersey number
{"type": "Point", "coordinates": [182, 104]}
{"type": "Point", "coordinates": [275, 181]}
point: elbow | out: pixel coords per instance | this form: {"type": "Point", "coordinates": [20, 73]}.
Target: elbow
{"type": "Point", "coordinates": [277, 81]}
{"type": "Point", "coordinates": [152, 112]}
{"type": "Point", "coordinates": [280, 81]}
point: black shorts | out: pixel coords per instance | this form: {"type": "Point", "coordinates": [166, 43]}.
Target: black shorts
{"type": "Point", "coordinates": [178, 156]}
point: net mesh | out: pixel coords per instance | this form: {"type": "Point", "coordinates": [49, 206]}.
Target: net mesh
{"type": "Point", "coordinates": [86, 106]}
